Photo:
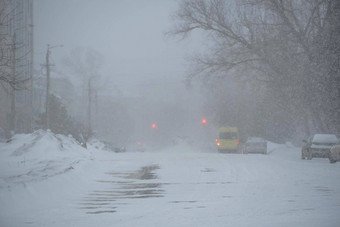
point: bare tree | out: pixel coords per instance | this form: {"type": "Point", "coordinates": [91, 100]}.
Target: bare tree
{"type": "Point", "coordinates": [86, 65]}
{"type": "Point", "coordinates": [8, 48]}
{"type": "Point", "coordinates": [282, 44]}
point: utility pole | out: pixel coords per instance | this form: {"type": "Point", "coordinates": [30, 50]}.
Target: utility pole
{"type": "Point", "coordinates": [48, 84]}
{"type": "Point", "coordinates": [89, 107]}
{"type": "Point", "coordinates": [47, 87]}
{"type": "Point", "coordinates": [13, 109]}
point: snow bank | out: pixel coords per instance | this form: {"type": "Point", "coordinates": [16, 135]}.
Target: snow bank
{"type": "Point", "coordinates": [37, 156]}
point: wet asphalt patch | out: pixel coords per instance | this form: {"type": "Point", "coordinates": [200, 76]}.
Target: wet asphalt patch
{"type": "Point", "coordinates": [123, 187]}
{"type": "Point", "coordinates": [130, 185]}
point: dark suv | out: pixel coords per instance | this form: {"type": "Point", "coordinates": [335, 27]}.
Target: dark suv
{"type": "Point", "coordinates": [318, 145]}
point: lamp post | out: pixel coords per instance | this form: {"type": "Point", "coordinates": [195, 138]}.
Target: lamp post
{"type": "Point", "coordinates": [48, 84]}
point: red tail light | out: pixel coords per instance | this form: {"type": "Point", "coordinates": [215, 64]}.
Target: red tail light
{"type": "Point", "coordinates": [218, 142]}
{"type": "Point", "coordinates": [238, 142]}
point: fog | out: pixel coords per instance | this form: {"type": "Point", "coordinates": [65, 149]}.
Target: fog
{"type": "Point", "coordinates": [169, 112]}
{"type": "Point", "coordinates": [171, 63]}
{"type": "Point", "coordinates": [141, 77]}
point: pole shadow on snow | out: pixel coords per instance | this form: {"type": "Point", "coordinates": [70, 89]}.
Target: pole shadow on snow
{"type": "Point", "coordinates": [130, 185]}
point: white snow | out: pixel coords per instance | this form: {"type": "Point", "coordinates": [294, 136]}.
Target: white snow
{"type": "Point", "coordinates": [325, 138]}
{"type": "Point", "coordinates": [49, 180]}
{"type": "Point", "coordinates": [255, 139]}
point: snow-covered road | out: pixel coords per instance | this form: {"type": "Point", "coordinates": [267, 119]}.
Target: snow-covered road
{"type": "Point", "coordinates": [179, 186]}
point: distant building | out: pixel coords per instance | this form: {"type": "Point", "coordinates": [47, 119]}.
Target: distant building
{"type": "Point", "coordinates": [16, 33]}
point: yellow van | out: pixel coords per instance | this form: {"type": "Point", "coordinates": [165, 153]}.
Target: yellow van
{"type": "Point", "coordinates": [228, 139]}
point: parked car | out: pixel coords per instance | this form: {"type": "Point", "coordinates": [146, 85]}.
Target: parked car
{"type": "Point", "coordinates": [113, 147]}
{"type": "Point", "coordinates": [255, 145]}
{"type": "Point", "coordinates": [318, 145]}
{"type": "Point", "coordinates": [334, 154]}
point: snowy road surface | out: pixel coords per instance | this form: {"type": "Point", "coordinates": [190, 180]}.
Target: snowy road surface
{"type": "Point", "coordinates": [179, 186]}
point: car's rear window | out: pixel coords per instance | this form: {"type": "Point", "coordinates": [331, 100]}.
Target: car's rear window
{"type": "Point", "coordinates": [255, 140]}
{"type": "Point", "coordinates": [228, 135]}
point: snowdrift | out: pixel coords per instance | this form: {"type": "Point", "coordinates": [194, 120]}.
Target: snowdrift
{"type": "Point", "coordinates": [38, 156]}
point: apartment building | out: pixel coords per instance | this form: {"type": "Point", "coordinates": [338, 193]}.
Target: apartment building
{"type": "Point", "coordinates": [16, 44]}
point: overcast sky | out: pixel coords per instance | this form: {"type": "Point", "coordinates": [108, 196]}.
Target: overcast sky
{"type": "Point", "coordinates": [129, 34]}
